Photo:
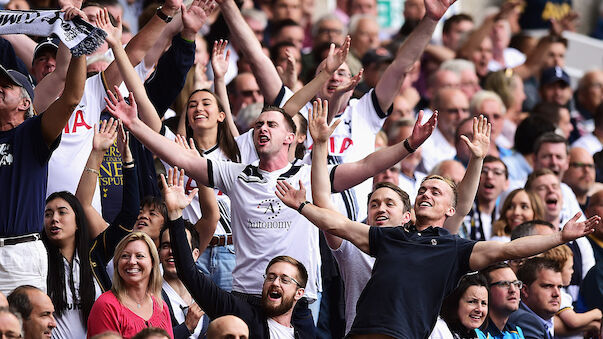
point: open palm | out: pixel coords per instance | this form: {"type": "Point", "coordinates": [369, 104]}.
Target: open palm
{"type": "Point", "coordinates": [435, 9]}
{"type": "Point", "coordinates": [480, 142]}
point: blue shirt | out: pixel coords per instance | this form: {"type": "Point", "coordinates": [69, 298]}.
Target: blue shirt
{"type": "Point", "coordinates": [24, 159]}
{"type": "Point", "coordinates": [413, 272]}
{"type": "Point", "coordinates": [510, 331]}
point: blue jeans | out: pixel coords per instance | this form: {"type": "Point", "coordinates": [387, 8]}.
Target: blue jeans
{"type": "Point", "coordinates": [217, 263]}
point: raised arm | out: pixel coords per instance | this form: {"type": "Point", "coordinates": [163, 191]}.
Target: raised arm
{"type": "Point", "coordinates": [104, 137]}
{"type": "Point", "coordinates": [323, 218]}
{"type": "Point", "coordinates": [486, 253]}
{"type": "Point", "coordinates": [468, 186]}
{"type": "Point", "coordinates": [58, 113]}
{"type": "Point", "coordinates": [389, 85]}
{"type": "Point", "coordinates": [142, 42]}
{"type": "Point", "coordinates": [321, 185]}
{"type": "Point", "coordinates": [51, 86]}
{"type": "Point", "coordinates": [241, 34]}
{"type": "Point", "coordinates": [147, 111]}
{"type": "Point", "coordinates": [219, 64]}
{"type": "Point", "coordinates": [206, 225]}
{"type": "Point", "coordinates": [350, 174]}
{"type": "Point", "coordinates": [158, 144]}
{"type": "Point", "coordinates": [329, 66]}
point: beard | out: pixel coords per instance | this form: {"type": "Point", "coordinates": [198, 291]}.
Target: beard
{"type": "Point", "coordinates": [276, 310]}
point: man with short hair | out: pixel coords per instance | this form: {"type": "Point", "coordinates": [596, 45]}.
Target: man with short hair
{"type": "Point", "coordinates": [188, 320]}
{"type": "Point", "coordinates": [502, 302]}
{"type": "Point", "coordinates": [491, 105]}
{"type": "Point", "coordinates": [11, 323]}
{"type": "Point", "coordinates": [555, 86]}
{"type": "Point", "coordinates": [26, 144]}
{"type": "Point", "coordinates": [36, 309]}
{"type": "Point", "coordinates": [452, 106]}
{"type": "Point", "coordinates": [364, 31]}
{"type": "Point", "coordinates": [551, 152]}
{"type": "Point", "coordinates": [425, 244]}
{"type": "Point", "coordinates": [580, 175]}
{"type": "Point", "coordinates": [228, 327]}
{"type": "Point", "coordinates": [454, 30]}
{"type": "Point", "coordinates": [589, 94]}
{"type": "Point", "coordinates": [540, 298]}
{"type": "Point", "coordinates": [493, 181]}
{"type": "Point", "coordinates": [44, 59]}
{"type": "Point", "coordinates": [243, 90]}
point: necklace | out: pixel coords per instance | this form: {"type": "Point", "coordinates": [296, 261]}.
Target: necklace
{"type": "Point", "coordinates": [138, 303]}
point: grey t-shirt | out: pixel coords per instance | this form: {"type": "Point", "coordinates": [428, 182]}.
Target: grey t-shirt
{"type": "Point", "coordinates": [355, 267]}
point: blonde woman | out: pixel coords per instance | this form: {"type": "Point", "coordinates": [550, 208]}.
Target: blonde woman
{"type": "Point", "coordinates": [134, 301]}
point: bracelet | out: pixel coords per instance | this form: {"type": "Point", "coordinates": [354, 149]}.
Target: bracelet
{"type": "Point", "coordinates": [301, 206]}
{"type": "Point", "coordinates": [408, 147]}
{"type": "Point", "coordinates": [127, 164]}
{"type": "Point", "coordinates": [92, 170]}
{"type": "Point", "coordinates": [166, 18]}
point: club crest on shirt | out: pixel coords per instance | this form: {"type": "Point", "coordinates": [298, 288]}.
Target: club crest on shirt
{"type": "Point", "coordinates": [6, 157]}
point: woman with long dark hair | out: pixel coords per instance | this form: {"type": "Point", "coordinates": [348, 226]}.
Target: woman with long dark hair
{"type": "Point", "coordinates": [70, 285]}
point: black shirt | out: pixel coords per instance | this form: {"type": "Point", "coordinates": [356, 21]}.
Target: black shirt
{"type": "Point", "coordinates": [413, 272]}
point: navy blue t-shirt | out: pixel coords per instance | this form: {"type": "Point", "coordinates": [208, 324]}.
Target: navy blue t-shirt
{"type": "Point", "coordinates": [24, 159]}
{"type": "Point", "coordinates": [413, 272]}
{"type": "Point", "coordinates": [538, 13]}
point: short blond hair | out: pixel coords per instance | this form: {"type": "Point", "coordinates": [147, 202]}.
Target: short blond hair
{"type": "Point", "coordinates": [560, 255]}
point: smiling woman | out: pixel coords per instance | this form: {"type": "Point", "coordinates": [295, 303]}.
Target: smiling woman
{"type": "Point", "coordinates": [465, 309]}
{"type": "Point", "coordinates": [134, 301]}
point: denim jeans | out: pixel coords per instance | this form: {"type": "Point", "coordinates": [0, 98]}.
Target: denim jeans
{"type": "Point", "coordinates": [217, 263]}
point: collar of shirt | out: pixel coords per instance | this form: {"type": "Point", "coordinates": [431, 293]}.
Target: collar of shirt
{"type": "Point", "coordinates": [548, 324]}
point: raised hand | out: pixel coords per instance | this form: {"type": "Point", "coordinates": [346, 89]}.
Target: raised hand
{"type": "Point", "coordinates": [350, 85]}
{"type": "Point", "coordinates": [288, 74]}
{"type": "Point", "coordinates": [317, 122]}
{"type": "Point", "coordinates": [71, 12]}
{"type": "Point", "coordinates": [173, 192]}
{"type": "Point", "coordinates": [71, 3]}
{"type": "Point", "coordinates": [171, 7]}
{"type": "Point", "coordinates": [574, 229]}
{"type": "Point", "coordinates": [335, 58]}
{"type": "Point", "coordinates": [113, 32]}
{"type": "Point", "coordinates": [435, 9]}
{"type": "Point", "coordinates": [289, 195]}
{"type": "Point", "coordinates": [105, 135]}
{"type": "Point", "coordinates": [196, 15]}
{"type": "Point", "coordinates": [481, 137]}
{"type": "Point", "coordinates": [219, 59]}
{"type": "Point", "coordinates": [123, 143]}
{"type": "Point", "coordinates": [120, 109]}
{"type": "Point", "coordinates": [420, 132]}
{"type": "Point", "coordinates": [187, 147]}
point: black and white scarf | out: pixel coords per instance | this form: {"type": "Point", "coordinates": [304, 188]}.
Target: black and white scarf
{"type": "Point", "coordinates": [79, 36]}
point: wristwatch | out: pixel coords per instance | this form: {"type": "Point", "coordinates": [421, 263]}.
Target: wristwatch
{"type": "Point", "coordinates": [162, 15]}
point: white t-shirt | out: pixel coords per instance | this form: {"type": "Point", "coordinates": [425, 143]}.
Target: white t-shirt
{"type": "Point", "coordinates": [512, 57]}
{"type": "Point", "coordinates": [71, 323]}
{"type": "Point", "coordinates": [441, 330]}
{"type": "Point", "coordinates": [192, 212]}
{"type": "Point", "coordinates": [355, 267]}
{"type": "Point", "coordinates": [178, 306]}
{"type": "Point", "coordinates": [264, 227]}
{"type": "Point", "coordinates": [352, 140]}
{"type": "Point", "coordinates": [278, 331]}
{"type": "Point", "coordinates": [436, 149]}
{"type": "Point", "coordinates": [589, 142]}
{"type": "Point", "coordinates": [69, 159]}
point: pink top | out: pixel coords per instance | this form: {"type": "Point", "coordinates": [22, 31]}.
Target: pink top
{"type": "Point", "coordinates": [108, 314]}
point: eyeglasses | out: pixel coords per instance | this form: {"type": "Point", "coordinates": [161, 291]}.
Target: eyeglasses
{"type": "Point", "coordinates": [343, 73]}
{"type": "Point", "coordinates": [496, 171]}
{"type": "Point", "coordinates": [507, 284]}
{"type": "Point", "coordinates": [250, 93]}
{"type": "Point", "coordinates": [10, 335]}
{"type": "Point", "coordinates": [285, 279]}
{"type": "Point", "coordinates": [457, 110]}
{"type": "Point", "coordinates": [582, 165]}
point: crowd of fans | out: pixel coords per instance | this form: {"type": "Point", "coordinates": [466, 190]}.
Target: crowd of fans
{"type": "Point", "coordinates": [236, 169]}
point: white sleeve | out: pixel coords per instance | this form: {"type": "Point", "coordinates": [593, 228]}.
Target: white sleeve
{"type": "Point", "coordinates": [284, 95]}
{"type": "Point", "coordinates": [246, 147]}
{"type": "Point", "coordinates": [367, 112]}
{"type": "Point", "coordinates": [222, 174]}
